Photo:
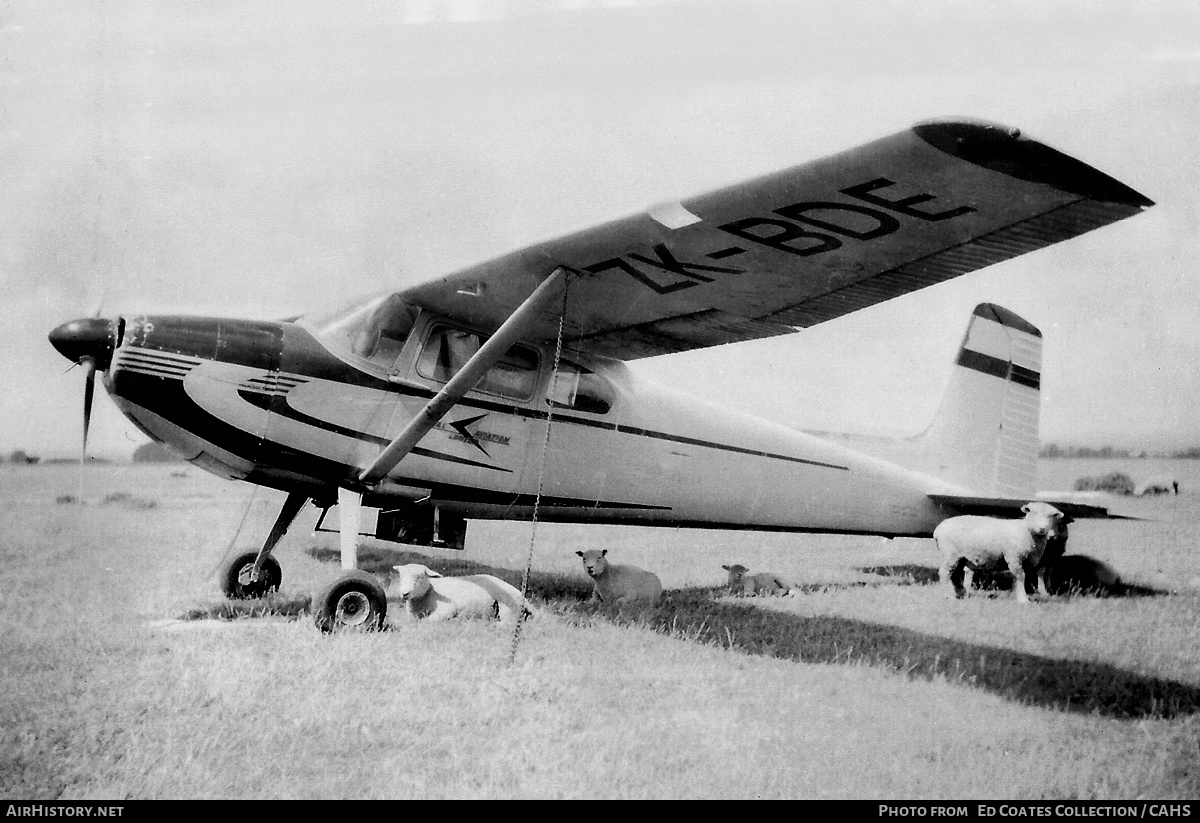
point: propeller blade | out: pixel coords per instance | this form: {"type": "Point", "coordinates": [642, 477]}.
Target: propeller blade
{"type": "Point", "coordinates": [89, 391]}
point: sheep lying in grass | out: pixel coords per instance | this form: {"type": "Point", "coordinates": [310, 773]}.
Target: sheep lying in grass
{"type": "Point", "coordinates": [1080, 574]}
{"type": "Point", "coordinates": [618, 584]}
{"type": "Point", "coordinates": [970, 542]}
{"type": "Point", "coordinates": [764, 583]}
{"type": "Point", "coordinates": [428, 595]}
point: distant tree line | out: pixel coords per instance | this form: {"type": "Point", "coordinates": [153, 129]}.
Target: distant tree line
{"type": "Point", "coordinates": [1053, 450]}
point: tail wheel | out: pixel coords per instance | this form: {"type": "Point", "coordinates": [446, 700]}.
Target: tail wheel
{"type": "Point", "coordinates": [354, 602]}
{"type": "Point", "coordinates": [237, 578]}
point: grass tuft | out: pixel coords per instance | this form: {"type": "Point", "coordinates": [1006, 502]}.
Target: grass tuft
{"type": "Point", "coordinates": [272, 605]}
{"type": "Point", "coordinates": [904, 573]}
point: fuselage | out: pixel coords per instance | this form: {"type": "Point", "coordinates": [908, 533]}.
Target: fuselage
{"type": "Point", "coordinates": [284, 405]}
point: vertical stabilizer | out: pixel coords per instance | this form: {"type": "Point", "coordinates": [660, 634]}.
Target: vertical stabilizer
{"type": "Point", "coordinates": [983, 441]}
{"type": "Point", "coordinates": [984, 436]}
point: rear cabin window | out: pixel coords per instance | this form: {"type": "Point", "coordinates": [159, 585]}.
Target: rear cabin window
{"type": "Point", "coordinates": [576, 387]}
{"type": "Point", "coordinates": [447, 350]}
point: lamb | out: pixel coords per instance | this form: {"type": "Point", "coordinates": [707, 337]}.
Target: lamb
{"type": "Point", "coordinates": [619, 584]}
{"type": "Point", "coordinates": [764, 583]}
{"type": "Point", "coordinates": [428, 595]}
{"type": "Point", "coordinates": [971, 542]}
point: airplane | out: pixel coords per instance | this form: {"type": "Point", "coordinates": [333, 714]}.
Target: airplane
{"type": "Point", "coordinates": [505, 386]}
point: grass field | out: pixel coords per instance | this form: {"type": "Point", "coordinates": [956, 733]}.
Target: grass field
{"type": "Point", "coordinates": [869, 685]}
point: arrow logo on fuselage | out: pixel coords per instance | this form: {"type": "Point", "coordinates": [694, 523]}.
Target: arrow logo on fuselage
{"type": "Point", "coordinates": [460, 426]}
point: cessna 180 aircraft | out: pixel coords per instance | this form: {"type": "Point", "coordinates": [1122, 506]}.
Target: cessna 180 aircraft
{"type": "Point", "coordinates": [505, 384]}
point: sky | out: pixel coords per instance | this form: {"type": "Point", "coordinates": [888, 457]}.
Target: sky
{"type": "Point", "coordinates": [262, 159]}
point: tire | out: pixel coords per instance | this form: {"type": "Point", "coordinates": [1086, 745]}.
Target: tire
{"type": "Point", "coordinates": [354, 602]}
{"type": "Point", "coordinates": [235, 577]}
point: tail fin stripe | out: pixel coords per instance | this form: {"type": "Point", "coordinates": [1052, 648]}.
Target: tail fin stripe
{"type": "Point", "coordinates": [983, 363]}
{"type": "Point", "coordinates": [1026, 377]}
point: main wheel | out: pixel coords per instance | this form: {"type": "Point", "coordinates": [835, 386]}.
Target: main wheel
{"type": "Point", "coordinates": [236, 579]}
{"type": "Point", "coordinates": [355, 601]}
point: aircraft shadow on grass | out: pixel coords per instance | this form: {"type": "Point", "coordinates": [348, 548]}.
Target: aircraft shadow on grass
{"type": "Point", "coordinates": [696, 613]}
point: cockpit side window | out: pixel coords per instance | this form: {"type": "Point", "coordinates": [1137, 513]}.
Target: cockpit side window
{"type": "Point", "coordinates": [576, 387]}
{"type": "Point", "coordinates": [447, 350]}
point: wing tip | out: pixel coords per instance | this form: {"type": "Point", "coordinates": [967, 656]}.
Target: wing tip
{"type": "Point", "coordinates": [1008, 151]}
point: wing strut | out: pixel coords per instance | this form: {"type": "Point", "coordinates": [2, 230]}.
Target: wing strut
{"type": "Point", "coordinates": [518, 323]}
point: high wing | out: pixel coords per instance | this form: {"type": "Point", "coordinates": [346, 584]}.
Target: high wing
{"type": "Point", "coordinates": [796, 248]}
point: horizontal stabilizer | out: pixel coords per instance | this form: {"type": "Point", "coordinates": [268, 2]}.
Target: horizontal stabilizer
{"type": "Point", "coordinates": [1011, 507]}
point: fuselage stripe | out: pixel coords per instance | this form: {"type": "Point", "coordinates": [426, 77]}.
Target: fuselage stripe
{"type": "Point", "coordinates": [154, 371]}
{"type": "Point", "coordinates": [153, 355]}
{"type": "Point", "coordinates": [634, 430]}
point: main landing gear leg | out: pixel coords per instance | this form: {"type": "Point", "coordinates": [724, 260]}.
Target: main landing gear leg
{"type": "Point", "coordinates": [350, 518]}
{"type": "Point", "coordinates": [253, 574]}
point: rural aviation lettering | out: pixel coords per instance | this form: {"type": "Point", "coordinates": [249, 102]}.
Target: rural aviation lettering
{"type": "Point", "coordinates": [792, 229]}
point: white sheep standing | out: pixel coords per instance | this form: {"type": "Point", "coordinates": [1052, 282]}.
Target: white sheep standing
{"type": "Point", "coordinates": [428, 595]}
{"type": "Point", "coordinates": [972, 542]}
{"type": "Point", "coordinates": [616, 584]}
{"type": "Point", "coordinates": [766, 583]}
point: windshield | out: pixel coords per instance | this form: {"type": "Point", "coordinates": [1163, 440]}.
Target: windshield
{"type": "Point", "coordinates": [372, 330]}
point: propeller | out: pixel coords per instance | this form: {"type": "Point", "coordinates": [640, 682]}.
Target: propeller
{"type": "Point", "coordinates": [89, 343]}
